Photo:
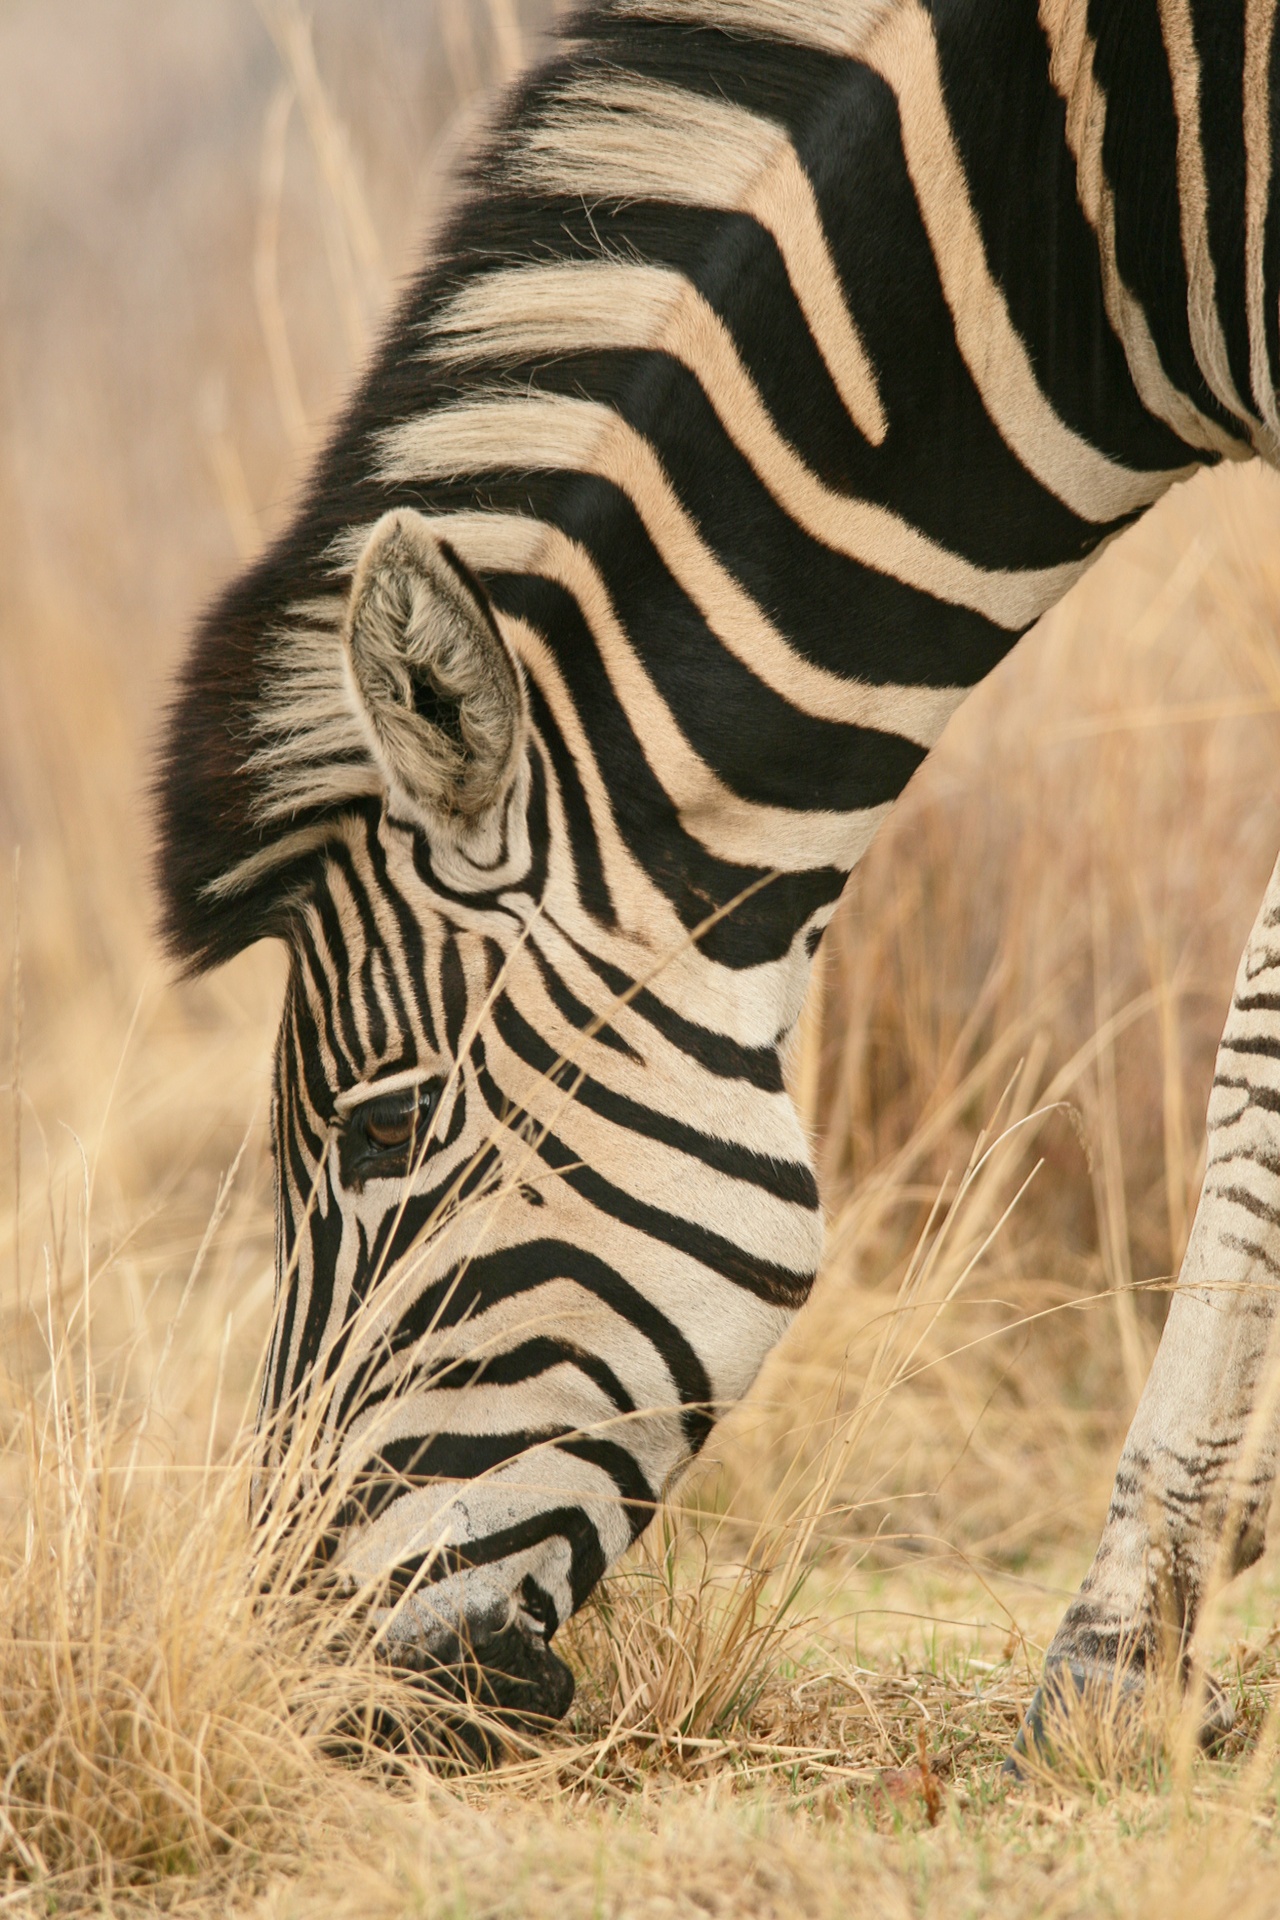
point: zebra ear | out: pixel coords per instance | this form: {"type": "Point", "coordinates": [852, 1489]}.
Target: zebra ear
{"type": "Point", "coordinates": [437, 689]}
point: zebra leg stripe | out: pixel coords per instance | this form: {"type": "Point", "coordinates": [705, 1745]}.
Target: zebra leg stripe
{"type": "Point", "coordinates": [1194, 1482]}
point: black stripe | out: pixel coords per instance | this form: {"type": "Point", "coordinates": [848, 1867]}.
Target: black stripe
{"type": "Point", "coordinates": [1140, 156]}
{"type": "Point", "coordinates": [374, 943]}
{"type": "Point", "coordinates": [1264, 1307]}
{"type": "Point", "coordinates": [593, 888]}
{"type": "Point", "coordinates": [414, 1460]}
{"type": "Point", "coordinates": [781, 1286]}
{"type": "Point", "coordinates": [286, 1312]}
{"type": "Point", "coordinates": [759, 928]}
{"type": "Point", "coordinates": [338, 1007]}
{"type": "Point", "coordinates": [788, 1180]}
{"type": "Point", "coordinates": [298, 1064]}
{"type": "Point", "coordinates": [1010, 125]}
{"type": "Point", "coordinates": [404, 1463]}
{"type": "Point", "coordinates": [453, 993]}
{"type": "Point", "coordinates": [1241, 1197]}
{"type": "Point", "coordinates": [475, 899]}
{"type": "Point", "coordinates": [324, 1229]}
{"type": "Point", "coordinates": [411, 941]}
{"type": "Point", "coordinates": [1267, 1045]}
{"type": "Point", "coordinates": [317, 996]}
{"type": "Point", "coordinates": [587, 1561]}
{"type": "Point", "coordinates": [1219, 38]}
{"type": "Point", "coordinates": [1258, 1002]}
{"type": "Point", "coordinates": [570, 1008]}
{"type": "Point", "coordinates": [724, 710]}
{"type": "Point", "coordinates": [465, 1293]}
{"type": "Point", "coordinates": [528, 1361]}
{"type": "Point", "coordinates": [1262, 1097]}
{"type": "Point", "coordinates": [760, 1067]}
{"type": "Point", "coordinates": [373, 966]}
{"type": "Point", "coordinates": [639, 1500]}
{"type": "Point", "coordinates": [843, 120]}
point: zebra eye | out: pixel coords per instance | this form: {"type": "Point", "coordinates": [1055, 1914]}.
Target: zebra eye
{"type": "Point", "coordinates": [395, 1131]}
{"type": "Point", "coordinates": [379, 1135]}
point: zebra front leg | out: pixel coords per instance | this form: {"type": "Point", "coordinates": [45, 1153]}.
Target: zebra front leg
{"type": "Point", "coordinates": [1194, 1481]}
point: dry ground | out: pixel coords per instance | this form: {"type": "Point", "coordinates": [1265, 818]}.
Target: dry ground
{"type": "Point", "coordinates": [796, 1700]}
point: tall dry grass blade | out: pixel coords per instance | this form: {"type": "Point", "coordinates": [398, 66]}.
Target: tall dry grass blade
{"type": "Point", "coordinates": [1177, 1149]}
{"type": "Point", "coordinates": [15, 1068]}
{"type": "Point", "coordinates": [806, 1074]}
{"type": "Point", "coordinates": [1108, 1168]}
{"type": "Point", "coordinates": [508, 38]}
{"type": "Point", "coordinates": [355, 253]}
{"type": "Point", "coordinates": [266, 266]}
{"type": "Point", "coordinates": [227, 467]}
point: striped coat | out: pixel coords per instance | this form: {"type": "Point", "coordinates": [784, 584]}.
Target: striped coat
{"type": "Point", "coordinates": [783, 362]}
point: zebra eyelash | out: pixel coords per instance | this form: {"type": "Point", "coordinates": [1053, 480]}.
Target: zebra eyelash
{"type": "Point", "coordinates": [384, 1137]}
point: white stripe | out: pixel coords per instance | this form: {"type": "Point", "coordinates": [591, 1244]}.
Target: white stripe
{"type": "Point", "coordinates": [1259, 33]}
{"type": "Point", "coordinates": [1065, 26]}
{"type": "Point", "coordinates": [551, 431]}
{"type": "Point", "coordinates": [905, 54]}
{"type": "Point", "coordinates": [620, 138]}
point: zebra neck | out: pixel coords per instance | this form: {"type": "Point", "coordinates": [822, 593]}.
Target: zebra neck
{"type": "Point", "coordinates": [810, 405]}
{"type": "Point", "coordinates": [1168, 119]}
{"type": "Point", "coordinates": [784, 365]}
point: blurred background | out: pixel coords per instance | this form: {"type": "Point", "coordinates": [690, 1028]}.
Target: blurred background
{"type": "Point", "coordinates": [205, 209]}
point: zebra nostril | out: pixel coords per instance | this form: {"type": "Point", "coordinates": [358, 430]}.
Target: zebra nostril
{"type": "Point", "coordinates": [471, 1694]}
{"type": "Point", "coordinates": [522, 1681]}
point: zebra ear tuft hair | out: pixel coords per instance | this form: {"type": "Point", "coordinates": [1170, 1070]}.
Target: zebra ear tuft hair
{"type": "Point", "coordinates": [437, 690]}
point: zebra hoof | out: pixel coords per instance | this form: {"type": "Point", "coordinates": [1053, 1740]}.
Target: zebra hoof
{"type": "Point", "coordinates": [1091, 1687]}
{"type": "Point", "coordinates": [1098, 1690]}
{"type": "Point", "coordinates": [1217, 1718]}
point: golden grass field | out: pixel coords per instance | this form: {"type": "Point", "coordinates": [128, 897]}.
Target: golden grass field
{"type": "Point", "coordinates": [796, 1699]}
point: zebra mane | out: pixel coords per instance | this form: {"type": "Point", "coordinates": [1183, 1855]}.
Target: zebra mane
{"type": "Point", "coordinates": [265, 755]}
{"type": "Point", "coordinates": [835, 26]}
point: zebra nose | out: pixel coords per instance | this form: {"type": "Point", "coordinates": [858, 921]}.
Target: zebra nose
{"type": "Point", "coordinates": [458, 1701]}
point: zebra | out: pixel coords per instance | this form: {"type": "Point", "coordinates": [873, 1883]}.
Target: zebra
{"type": "Point", "coordinates": [783, 362]}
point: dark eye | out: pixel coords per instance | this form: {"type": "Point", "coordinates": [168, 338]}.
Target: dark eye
{"type": "Point", "coordinates": [396, 1130]}
{"type": "Point", "coordinates": [380, 1136]}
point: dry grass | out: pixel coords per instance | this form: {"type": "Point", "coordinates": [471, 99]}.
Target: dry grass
{"type": "Point", "coordinates": [796, 1697]}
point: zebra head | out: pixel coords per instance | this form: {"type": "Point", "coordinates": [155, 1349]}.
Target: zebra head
{"type": "Point", "coordinates": [534, 1227]}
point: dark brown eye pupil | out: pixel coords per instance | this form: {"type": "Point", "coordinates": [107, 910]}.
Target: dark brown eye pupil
{"type": "Point", "coordinates": [389, 1135]}
{"type": "Point", "coordinates": [396, 1131]}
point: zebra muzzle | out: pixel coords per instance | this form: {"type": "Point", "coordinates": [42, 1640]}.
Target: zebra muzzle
{"type": "Point", "coordinates": [465, 1701]}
